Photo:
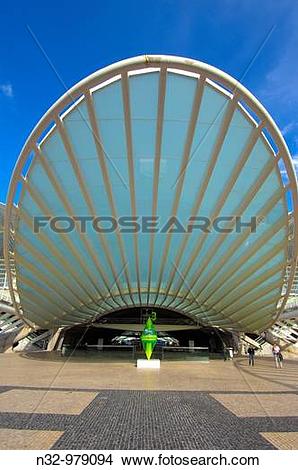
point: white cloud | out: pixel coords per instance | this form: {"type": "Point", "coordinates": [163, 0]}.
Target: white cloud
{"type": "Point", "coordinates": [6, 89]}
{"type": "Point", "coordinates": [295, 161]}
{"type": "Point", "coordinates": [281, 81]}
{"type": "Point", "coordinates": [288, 128]}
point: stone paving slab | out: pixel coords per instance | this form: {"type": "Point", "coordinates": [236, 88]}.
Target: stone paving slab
{"type": "Point", "coordinates": [45, 401]}
{"type": "Point", "coordinates": [21, 439]}
{"type": "Point", "coordinates": [255, 404]}
{"type": "Point", "coordinates": [118, 419]}
{"type": "Point", "coordinates": [282, 440]}
{"type": "Point", "coordinates": [113, 406]}
{"type": "Point", "coordinates": [191, 376]}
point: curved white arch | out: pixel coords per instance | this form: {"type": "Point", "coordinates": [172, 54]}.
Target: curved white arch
{"type": "Point", "coordinates": [185, 286]}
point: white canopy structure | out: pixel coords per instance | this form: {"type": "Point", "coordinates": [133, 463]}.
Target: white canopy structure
{"type": "Point", "coordinates": [194, 160]}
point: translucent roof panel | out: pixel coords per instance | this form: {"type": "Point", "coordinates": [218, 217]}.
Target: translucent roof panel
{"type": "Point", "coordinates": [152, 184]}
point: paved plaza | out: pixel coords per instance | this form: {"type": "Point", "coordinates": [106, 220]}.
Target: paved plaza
{"type": "Point", "coordinates": [74, 403]}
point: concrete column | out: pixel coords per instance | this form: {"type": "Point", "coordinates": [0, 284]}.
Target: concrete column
{"type": "Point", "coordinates": [55, 340]}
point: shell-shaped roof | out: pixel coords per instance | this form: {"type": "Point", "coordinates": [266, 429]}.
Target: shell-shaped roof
{"type": "Point", "coordinates": [183, 181]}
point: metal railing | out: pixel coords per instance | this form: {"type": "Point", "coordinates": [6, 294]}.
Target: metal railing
{"type": "Point", "coordinates": [134, 352]}
{"type": "Point", "coordinates": [190, 353]}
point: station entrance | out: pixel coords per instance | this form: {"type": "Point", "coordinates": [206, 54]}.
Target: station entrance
{"type": "Point", "coordinates": [117, 336]}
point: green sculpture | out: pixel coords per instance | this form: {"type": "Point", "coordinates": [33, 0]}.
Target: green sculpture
{"type": "Point", "coordinates": [149, 336]}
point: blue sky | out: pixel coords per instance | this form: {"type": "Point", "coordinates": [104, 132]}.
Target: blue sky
{"type": "Point", "coordinates": [254, 41]}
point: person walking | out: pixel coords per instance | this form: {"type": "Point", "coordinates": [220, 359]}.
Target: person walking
{"type": "Point", "coordinates": [278, 357]}
{"type": "Point", "coordinates": [251, 356]}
